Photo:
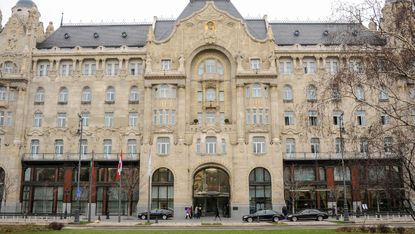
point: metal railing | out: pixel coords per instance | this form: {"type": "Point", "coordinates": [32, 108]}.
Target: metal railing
{"type": "Point", "coordinates": [337, 156]}
{"type": "Point", "coordinates": [75, 156]}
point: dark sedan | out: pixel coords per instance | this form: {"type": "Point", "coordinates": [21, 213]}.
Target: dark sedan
{"type": "Point", "coordinates": [156, 214]}
{"type": "Point", "coordinates": [264, 215]}
{"type": "Point", "coordinates": [308, 214]}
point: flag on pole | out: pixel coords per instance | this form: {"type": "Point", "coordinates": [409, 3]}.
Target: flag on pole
{"type": "Point", "coordinates": [149, 163]}
{"type": "Point", "coordinates": [119, 170]}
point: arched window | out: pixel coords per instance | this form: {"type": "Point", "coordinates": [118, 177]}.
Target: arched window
{"type": "Point", "coordinates": [40, 95]}
{"type": "Point", "coordinates": [288, 93]}
{"type": "Point", "coordinates": [134, 94]}
{"type": "Point", "coordinates": [162, 192]}
{"type": "Point", "coordinates": [63, 96]}
{"type": "Point", "coordinates": [8, 67]}
{"type": "Point", "coordinates": [86, 95]}
{"type": "Point", "coordinates": [311, 93]}
{"type": "Point", "coordinates": [259, 190]}
{"type": "Point", "coordinates": [110, 94]}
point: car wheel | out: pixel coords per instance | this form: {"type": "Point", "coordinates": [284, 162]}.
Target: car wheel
{"type": "Point", "coordinates": [294, 219]}
{"type": "Point", "coordinates": [275, 219]}
{"type": "Point", "coordinates": [320, 218]}
{"type": "Point", "coordinates": [249, 220]}
{"type": "Point", "coordinates": [143, 217]}
{"type": "Point", "coordinates": [164, 217]}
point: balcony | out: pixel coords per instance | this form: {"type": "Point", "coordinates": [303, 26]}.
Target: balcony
{"type": "Point", "coordinates": [73, 157]}
{"type": "Point", "coordinates": [336, 156]}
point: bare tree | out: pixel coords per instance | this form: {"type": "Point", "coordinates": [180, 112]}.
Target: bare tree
{"type": "Point", "coordinates": [9, 186]}
{"type": "Point", "coordinates": [131, 183]}
{"type": "Point", "coordinates": [378, 77]}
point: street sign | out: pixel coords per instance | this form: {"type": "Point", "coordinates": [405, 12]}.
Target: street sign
{"type": "Point", "coordinates": [78, 192]}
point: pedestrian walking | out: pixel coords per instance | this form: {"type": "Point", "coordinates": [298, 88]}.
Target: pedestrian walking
{"type": "Point", "coordinates": [199, 211]}
{"type": "Point", "coordinates": [217, 213]}
{"type": "Point", "coordinates": [196, 212]}
{"type": "Point", "coordinates": [187, 212]}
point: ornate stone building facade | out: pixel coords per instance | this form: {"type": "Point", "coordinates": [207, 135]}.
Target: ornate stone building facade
{"type": "Point", "coordinates": [219, 104]}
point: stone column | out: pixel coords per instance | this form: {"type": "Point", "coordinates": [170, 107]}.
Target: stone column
{"type": "Point", "coordinates": [240, 100]}
{"type": "Point", "coordinates": [181, 112]}
{"type": "Point", "coordinates": [275, 123]}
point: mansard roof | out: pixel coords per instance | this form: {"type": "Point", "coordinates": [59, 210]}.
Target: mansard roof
{"type": "Point", "coordinates": [133, 35]}
{"type": "Point", "coordinates": [197, 5]}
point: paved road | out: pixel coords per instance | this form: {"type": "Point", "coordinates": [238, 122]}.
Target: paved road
{"type": "Point", "coordinates": [302, 225]}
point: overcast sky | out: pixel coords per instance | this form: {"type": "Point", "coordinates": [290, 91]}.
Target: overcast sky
{"type": "Point", "coordinates": [97, 11]}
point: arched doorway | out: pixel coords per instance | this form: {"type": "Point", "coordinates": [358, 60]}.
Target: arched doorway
{"type": "Point", "coordinates": [162, 189]}
{"type": "Point", "coordinates": [259, 190]}
{"type": "Point", "coordinates": [211, 191]}
{"type": "Point", "coordinates": [2, 180]}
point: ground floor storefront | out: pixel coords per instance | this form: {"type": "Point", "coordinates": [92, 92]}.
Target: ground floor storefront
{"type": "Point", "coordinates": [51, 188]}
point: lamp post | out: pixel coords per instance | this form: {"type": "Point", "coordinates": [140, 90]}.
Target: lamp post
{"type": "Point", "coordinates": [78, 192]}
{"type": "Point", "coordinates": [345, 206]}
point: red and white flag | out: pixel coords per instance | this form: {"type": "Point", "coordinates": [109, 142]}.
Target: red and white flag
{"type": "Point", "coordinates": [119, 170]}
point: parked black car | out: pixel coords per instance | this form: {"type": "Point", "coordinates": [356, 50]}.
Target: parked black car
{"type": "Point", "coordinates": [156, 213]}
{"type": "Point", "coordinates": [308, 214]}
{"type": "Point", "coordinates": [263, 215]}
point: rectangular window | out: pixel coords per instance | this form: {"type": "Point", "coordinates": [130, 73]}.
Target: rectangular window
{"type": "Point", "coordinates": [290, 146]}
{"type": "Point", "coordinates": [173, 117]}
{"type": "Point", "coordinates": [356, 66]}
{"type": "Point", "coordinates": [58, 148]}
{"type": "Point", "coordinates": [37, 120]}
{"type": "Point", "coordinates": [255, 64]}
{"type": "Point", "coordinates": [364, 146]}
{"type": "Point", "coordinates": [66, 69]}
{"type": "Point", "coordinates": [2, 117]}
{"type": "Point", "coordinates": [198, 146]}
{"type": "Point", "coordinates": [222, 118]}
{"type": "Point", "coordinates": [248, 116]}
{"type": "Point", "coordinates": [9, 119]}
{"type": "Point", "coordinates": [132, 147]}
{"type": "Point", "coordinates": [221, 96]}
{"type": "Point", "coordinates": [289, 118]}
{"type": "Point", "coordinates": [43, 69]}
{"type": "Point", "coordinates": [85, 119]}
{"type": "Point", "coordinates": [133, 119]}
{"type": "Point", "coordinates": [309, 66]}
{"type": "Point", "coordinates": [84, 147]}
{"type": "Point", "coordinates": [223, 146]}
{"type": "Point", "coordinates": [61, 120]}
{"type": "Point", "coordinates": [315, 145]}
{"type": "Point", "coordinates": [332, 66]}
{"type": "Point", "coordinates": [199, 118]}
{"type": "Point", "coordinates": [109, 119]}
{"type": "Point", "coordinates": [337, 118]}
{"type": "Point", "coordinates": [385, 119]}
{"type": "Point", "coordinates": [338, 145]}
{"type": "Point", "coordinates": [112, 68]}
{"type": "Point", "coordinates": [135, 68]}
{"type": "Point", "coordinates": [388, 141]}
{"type": "Point", "coordinates": [210, 117]}
{"type": "Point", "coordinates": [211, 145]}
{"type": "Point", "coordinates": [258, 145]}
{"type": "Point", "coordinates": [107, 147]}
{"type": "Point", "coordinates": [34, 147]}
{"type": "Point", "coordinates": [163, 145]}
{"type": "Point", "coordinates": [165, 64]}
{"type": "Point", "coordinates": [361, 118]}
{"type": "Point", "coordinates": [286, 66]}
{"type": "Point", "coordinates": [312, 118]}
{"type": "Point", "coordinates": [90, 69]}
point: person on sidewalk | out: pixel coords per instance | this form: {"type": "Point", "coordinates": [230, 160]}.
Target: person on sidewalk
{"type": "Point", "coordinates": [196, 212]}
{"type": "Point", "coordinates": [187, 213]}
{"type": "Point", "coordinates": [199, 211]}
{"type": "Point", "coordinates": [217, 213]}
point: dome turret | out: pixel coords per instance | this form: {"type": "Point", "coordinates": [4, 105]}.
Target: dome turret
{"type": "Point", "coordinates": [25, 4]}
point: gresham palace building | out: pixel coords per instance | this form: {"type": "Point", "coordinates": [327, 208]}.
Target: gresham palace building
{"type": "Point", "coordinates": [209, 109]}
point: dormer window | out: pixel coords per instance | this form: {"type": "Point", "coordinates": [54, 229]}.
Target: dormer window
{"type": "Point", "coordinates": [165, 64]}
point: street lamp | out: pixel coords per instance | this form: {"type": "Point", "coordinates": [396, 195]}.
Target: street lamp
{"type": "Point", "coordinates": [78, 191]}
{"type": "Point", "coordinates": [345, 206]}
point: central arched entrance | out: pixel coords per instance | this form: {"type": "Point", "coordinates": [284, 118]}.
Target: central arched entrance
{"type": "Point", "coordinates": [211, 191]}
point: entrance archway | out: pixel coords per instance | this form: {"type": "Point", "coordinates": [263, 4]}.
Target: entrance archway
{"type": "Point", "coordinates": [162, 189]}
{"type": "Point", "coordinates": [211, 191]}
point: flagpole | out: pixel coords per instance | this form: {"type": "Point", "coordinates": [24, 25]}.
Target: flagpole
{"type": "Point", "coordinates": [119, 190]}
{"type": "Point", "coordinates": [90, 187]}
{"type": "Point", "coordinates": [149, 187]}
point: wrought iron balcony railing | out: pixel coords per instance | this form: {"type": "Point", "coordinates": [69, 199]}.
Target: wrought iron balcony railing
{"type": "Point", "coordinates": [29, 157]}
